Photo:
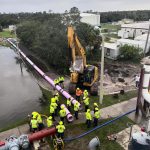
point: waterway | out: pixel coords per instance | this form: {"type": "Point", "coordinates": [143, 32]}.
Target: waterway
{"type": "Point", "coordinates": [19, 91]}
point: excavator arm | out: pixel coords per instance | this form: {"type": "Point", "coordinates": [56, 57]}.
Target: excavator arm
{"type": "Point", "coordinates": [77, 49]}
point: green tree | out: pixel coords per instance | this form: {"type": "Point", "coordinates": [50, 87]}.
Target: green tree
{"type": "Point", "coordinates": [129, 52]}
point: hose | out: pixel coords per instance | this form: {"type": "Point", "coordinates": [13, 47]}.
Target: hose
{"type": "Point", "coordinates": [98, 127]}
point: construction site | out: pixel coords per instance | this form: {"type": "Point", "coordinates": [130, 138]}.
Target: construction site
{"type": "Point", "coordinates": [99, 103]}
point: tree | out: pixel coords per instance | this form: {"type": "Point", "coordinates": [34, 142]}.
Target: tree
{"type": "Point", "coordinates": [129, 52]}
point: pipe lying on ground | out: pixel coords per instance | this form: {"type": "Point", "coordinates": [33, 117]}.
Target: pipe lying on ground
{"type": "Point", "coordinates": [146, 80]}
{"type": "Point", "coordinates": [69, 116]}
{"type": "Point", "coordinates": [41, 134]}
{"type": "Point", "coordinates": [48, 79]}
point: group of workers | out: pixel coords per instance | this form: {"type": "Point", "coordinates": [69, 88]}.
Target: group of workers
{"type": "Point", "coordinates": [57, 109]}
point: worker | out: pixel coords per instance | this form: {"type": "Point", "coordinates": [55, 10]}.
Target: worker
{"type": "Point", "coordinates": [88, 118]}
{"type": "Point", "coordinates": [34, 124]}
{"type": "Point", "coordinates": [95, 106]}
{"type": "Point", "coordinates": [69, 104]}
{"type": "Point", "coordinates": [96, 116]}
{"type": "Point", "coordinates": [60, 130]}
{"type": "Point", "coordinates": [76, 109]}
{"type": "Point", "coordinates": [61, 81]}
{"type": "Point", "coordinates": [40, 122]}
{"type": "Point", "coordinates": [49, 121]}
{"type": "Point", "coordinates": [62, 113]}
{"type": "Point", "coordinates": [78, 94]}
{"type": "Point", "coordinates": [137, 80]}
{"type": "Point", "coordinates": [56, 96]}
{"type": "Point", "coordinates": [86, 102]}
{"type": "Point", "coordinates": [34, 114]}
{"type": "Point", "coordinates": [56, 82]}
{"type": "Point", "coordinates": [52, 112]}
{"type": "Point", "coordinates": [85, 93]}
{"type": "Point", "coordinates": [54, 104]}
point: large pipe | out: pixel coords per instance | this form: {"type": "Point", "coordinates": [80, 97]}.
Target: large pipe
{"type": "Point", "coordinates": [69, 116]}
{"type": "Point", "coordinates": [41, 134]}
{"type": "Point", "coordinates": [48, 79]}
{"type": "Point", "coordinates": [145, 92]}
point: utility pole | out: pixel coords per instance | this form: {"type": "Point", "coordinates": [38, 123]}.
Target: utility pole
{"type": "Point", "coordinates": [146, 40]}
{"type": "Point", "coordinates": [102, 73]}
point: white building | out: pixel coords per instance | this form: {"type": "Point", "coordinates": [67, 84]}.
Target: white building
{"type": "Point", "coordinates": [133, 30]}
{"type": "Point", "coordinates": [112, 49]}
{"type": "Point", "coordinates": [92, 19]}
{"type": "Point", "coordinates": [12, 28]}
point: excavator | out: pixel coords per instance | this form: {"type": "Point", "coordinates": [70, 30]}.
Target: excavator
{"type": "Point", "coordinates": [81, 74]}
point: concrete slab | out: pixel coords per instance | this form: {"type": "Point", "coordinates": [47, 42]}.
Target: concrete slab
{"type": "Point", "coordinates": [24, 129]}
{"type": "Point", "coordinates": [8, 133]}
{"type": "Point", "coordinates": [124, 135]}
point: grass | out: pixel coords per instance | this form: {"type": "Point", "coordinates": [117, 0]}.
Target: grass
{"type": "Point", "coordinates": [13, 125]}
{"type": "Point", "coordinates": [6, 34]}
{"type": "Point", "coordinates": [110, 26]}
{"type": "Point", "coordinates": [74, 130]}
{"type": "Point", "coordinates": [107, 101]}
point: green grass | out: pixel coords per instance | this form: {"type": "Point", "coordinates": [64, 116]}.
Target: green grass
{"type": "Point", "coordinates": [110, 26]}
{"type": "Point", "coordinates": [6, 34]}
{"type": "Point", "coordinates": [13, 125]}
{"type": "Point", "coordinates": [107, 101]}
{"type": "Point", "coordinates": [74, 130]}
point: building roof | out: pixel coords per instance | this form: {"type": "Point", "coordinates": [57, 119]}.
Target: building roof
{"type": "Point", "coordinates": [141, 25]}
{"type": "Point", "coordinates": [142, 37]}
{"type": "Point", "coordinates": [88, 14]}
{"type": "Point", "coordinates": [110, 45]}
{"type": "Point", "coordinates": [129, 41]}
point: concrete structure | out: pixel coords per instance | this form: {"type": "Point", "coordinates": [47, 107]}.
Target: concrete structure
{"type": "Point", "coordinates": [133, 30]}
{"type": "Point", "coordinates": [92, 19]}
{"type": "Point", "coordinates": [12, 28]}
{"type": "Point", "coordinates": [111, 51]}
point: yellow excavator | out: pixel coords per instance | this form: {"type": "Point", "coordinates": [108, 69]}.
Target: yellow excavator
{"type": "Point", "coordinates": [82, 74]}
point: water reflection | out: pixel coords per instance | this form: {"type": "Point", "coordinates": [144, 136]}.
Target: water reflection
{"type": "Point", "coordinates": [19, 93]}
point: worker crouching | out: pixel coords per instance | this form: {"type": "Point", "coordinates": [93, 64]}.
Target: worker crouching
{"type": "Point", "coordinates": [60, 130]}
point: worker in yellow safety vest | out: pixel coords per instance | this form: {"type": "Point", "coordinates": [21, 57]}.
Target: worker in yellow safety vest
{"type": "Point", "coordinates": [62, 113]}
{"type": "Point", "coordinates": [40, 122]}
{"type": "Point", "coordinates": [88, 118]}
{"type": "Point", "coordinates": [49, 121]}
{"type": "Point", "coordinates": [61, 81]}
{"type": "Point", "coordinates": [56, 82]}
{"type": "Point", "coordinates": [60, 130]}
{"type": "Point", "coordinates": [95, 106]}
{"type": "Point", "coordinates": [85, 93]}
{"type": "Point", "coordinates": [76, 110]}
{"type": "Point", "coordinates": [34, 124]}
{"type": "Point", "coordinates": [86, 102]}
{"type": "Point", "coordinates": [35, 114]}
{"type": "Point", "coordinates": [56, 96]}
{"type": "Point", "coordinates": [96, 116]}
{"type": "Point", "coordinates": [52, 112]}
{"type": "Point", "coordinates": [69, 104]}
{"type": "Point", "coordinates": [55, 107]}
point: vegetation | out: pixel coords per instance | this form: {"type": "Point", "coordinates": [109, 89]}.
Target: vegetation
{"type": "Point", "coordinates": [6, 34]}
{"type": "Point", "coordinates": [132, 53]}
{"type": "Point", "coordinates": [48, 39]}
{"type": "Point", "coordinates": [71, 131]}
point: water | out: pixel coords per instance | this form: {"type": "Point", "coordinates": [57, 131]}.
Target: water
{"type": "Point", "coordinates": [19, 92]}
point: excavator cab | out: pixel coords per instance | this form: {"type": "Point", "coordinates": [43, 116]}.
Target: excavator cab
{"type": "Point", "coordinates": [81, 73]}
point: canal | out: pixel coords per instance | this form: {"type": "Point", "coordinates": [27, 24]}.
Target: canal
{"type": "Point", "coordinates": [19, 92]}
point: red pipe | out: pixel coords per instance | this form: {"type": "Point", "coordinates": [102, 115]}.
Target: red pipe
{"type": "Point", "coordinates": [41, 134]}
